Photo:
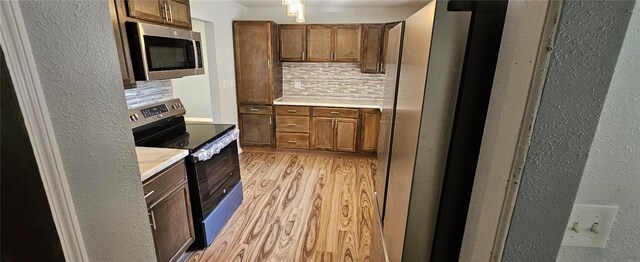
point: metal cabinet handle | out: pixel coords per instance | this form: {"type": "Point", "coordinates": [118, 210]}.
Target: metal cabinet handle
{"type": "Point", "coordinates": [292, 111]}
{"type": "Point", "coordinates": [335, 113]}
{"type": "Point", "coordinates": [148, 194]}
{"type": "Point", "coordinates": [224, 191]}
{"type": "Point", "coordinates": [153, 220]}
{"type": "Point", "coordinates": [291, 124]}
{"type": "Point", "coordinates": [170, 14]}
{"type": "Point", "coordinates": [270, 122]}
{"type": "Point", "coordinates": [333, 123]}
{"type": "Point", "coordinates": [304, 55]}
{"type": "Point", "coordinates": [164, 10]}
{"type": "Point", "coordinates": [255, 110]}
{"type": "Point", "coordinates": [291, 141]}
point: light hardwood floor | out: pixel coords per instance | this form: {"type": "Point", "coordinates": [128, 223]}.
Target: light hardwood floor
{"type": "Point", "coordinates": [301, 207]}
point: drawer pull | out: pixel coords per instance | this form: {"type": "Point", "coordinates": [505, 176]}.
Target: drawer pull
{"type": "Point", "coordinates": [291, 125]}
{"type": "Point", "coordinates": [255, 109]}
{"type": "Point", "coordinates": [292, 111]}
{"type": "Point", "coordinates": [148, 194]}
{"type": "Point", "coordinates": [335, 113]}
{"type": "Point", "coordinates": [291, 142]}
{"type": "Point", "coordinates": [224, 191]}
{"type": "Point", "coordinates": [230, 173]}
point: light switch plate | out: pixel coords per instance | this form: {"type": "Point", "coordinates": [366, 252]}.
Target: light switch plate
{"type": "Point", "coordinates": [589, 226]}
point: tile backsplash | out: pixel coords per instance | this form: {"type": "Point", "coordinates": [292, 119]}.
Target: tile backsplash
{"type": "Point", "coordinates": [332, 80]}
{"type": "Point", "coordinates": [148, 93]}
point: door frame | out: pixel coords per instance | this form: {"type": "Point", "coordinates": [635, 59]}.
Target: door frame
{"type": "Point", "coordinates": [520, 74]}
{"type": "Point", "coordinates": [24, 74]}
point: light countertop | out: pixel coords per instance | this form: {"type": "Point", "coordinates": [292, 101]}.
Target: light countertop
{"type": "Point", "coordinates": [153, 160]}
{"type": "Point", "coordinates": [328, 102]}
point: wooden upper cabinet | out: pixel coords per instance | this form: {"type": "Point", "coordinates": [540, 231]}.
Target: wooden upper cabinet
{"type": "Point", "coordinates": [372, 48]}
{"type": "Point", "coordinates": [320, 43]}
{"type": "Point", "coordinates": [167, 12]}
{"type": "Point", "coordinates": [257, 72]}
{"type": "Point", "coordinates": [347, 43]}
{"type": "Point", "coordinates": [293, 43]}
{"type": "Point", "coordinates": [179, 13]}
{"type": "Point", "coordinates": [150, 10]}
{"type": "Point", "coordinates": [385, 37]}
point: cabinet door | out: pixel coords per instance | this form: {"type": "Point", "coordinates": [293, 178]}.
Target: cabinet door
{"type": "Point", "coordinates": [293, 42]}
{"type": "Point", "coordinates": [252, 60]}
{"type": "Point", "coordinates": [320, 43]}
{"type": "Point", "coordinates": [323, 133]}
{"type": "Point", "coordinates": [385, 42]}
{"type": "Point", "coordinates": [150, 10]}
{"type": "Point", "coordinates": [346, 134]}
{"type": "Point", "coordinates": [372, 48]}
{"type": "Point", "coordinates": [179, 13]}
{"type": "Point", "coordinates": [125, 63]}
{"type": "Point", "coordinates": [348, 42]}
{"type": "Point", "coordinates": [171, 225]}
{"type": "Point", "coordinates": [370, 130]}
{"type": "Point", "coordinates": [256, 130]}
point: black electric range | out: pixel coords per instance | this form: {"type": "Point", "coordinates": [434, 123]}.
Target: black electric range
{"type": "Point", "coordinates": [213, 167]}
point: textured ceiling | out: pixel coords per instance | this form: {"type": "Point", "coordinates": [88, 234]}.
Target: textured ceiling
{"type": "Point", "coordinates": [338, 3]}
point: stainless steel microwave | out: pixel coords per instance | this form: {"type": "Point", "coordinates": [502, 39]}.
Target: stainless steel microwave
{"type": "Point", "coordinates": [161, 52]}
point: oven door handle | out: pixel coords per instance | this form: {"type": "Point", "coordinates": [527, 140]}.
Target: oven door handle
{"type": "Point", "coordinates": [214, 148]}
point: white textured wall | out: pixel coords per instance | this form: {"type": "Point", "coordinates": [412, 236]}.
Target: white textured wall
{"type": "Point", "coordinates": [612, 172]}
{"type": "Point", "coordinates": [195, 91]}
{"type": "Point", "coordinates": [75, 53]}
{"type": "Point", "coordinates": [223, 92]}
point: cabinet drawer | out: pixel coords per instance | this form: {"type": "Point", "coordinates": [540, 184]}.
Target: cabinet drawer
{"type": "Point", "coordinates": [335, 112]}
{"type": "Point", "coordinates": [162, 183]}
{"type": "Point", "coordinates": [258, 110]}
{"type": "Point", "coordinates": [292, 124]}
{"type": "Point", "coordinates": [292, 111]}
{"type": "Point", "coordinates": [289, 140]}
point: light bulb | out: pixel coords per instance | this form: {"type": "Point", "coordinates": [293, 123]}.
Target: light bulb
{"type": "Point", "coordinates": [292, 8]}
{"type": "Point", "coordinates": [301, 13]}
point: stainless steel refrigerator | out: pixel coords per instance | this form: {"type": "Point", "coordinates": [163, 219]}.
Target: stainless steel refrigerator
{"type": "Point", "coordinates": [424, 63]}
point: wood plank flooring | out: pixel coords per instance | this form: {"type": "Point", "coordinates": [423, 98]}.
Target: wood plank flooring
{"type": "Point", "coordinates": [301, 207]}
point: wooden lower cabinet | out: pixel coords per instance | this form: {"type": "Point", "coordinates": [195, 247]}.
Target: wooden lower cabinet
{"type": "Point", "coordinates": [346, 134]}
{"type": "Point", "coordinates": [256, 130]}
{"type": "Point", "coordinates": [317, 128]}
{"type": "Point", "coordinates": [292, 140]}
{"type": "Point", "coordinates": [167, 196]}
{"type": "Point", "coordinates": [335, 134]}
{"type": "Point", "coordinates": [323, 133]}
{"type": "Point", "coordinates": [370, 130]}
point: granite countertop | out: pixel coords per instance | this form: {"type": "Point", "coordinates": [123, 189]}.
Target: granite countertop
{"type": "Point", "coordinates": [329, 102]}
{"type": "Point", "coordinates": [153, 160]}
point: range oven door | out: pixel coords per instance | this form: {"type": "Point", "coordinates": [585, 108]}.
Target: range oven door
{"type": "Point", "coordinates": [160, 52]}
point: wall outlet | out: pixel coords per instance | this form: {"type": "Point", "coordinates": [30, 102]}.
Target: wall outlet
{"type": "Point", "coordinates": [589, 226]}
{"type": "Point", "coordinates": [297, 84]}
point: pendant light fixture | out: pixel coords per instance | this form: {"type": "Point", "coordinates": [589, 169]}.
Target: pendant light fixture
{"type": "Point", "coordinates": [300, 17]}
{"type": "Point", "coordinates": [295, 8]}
